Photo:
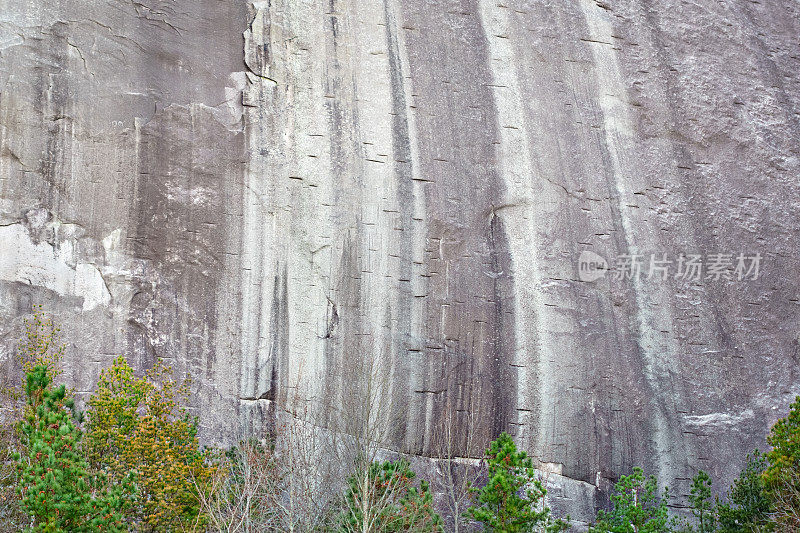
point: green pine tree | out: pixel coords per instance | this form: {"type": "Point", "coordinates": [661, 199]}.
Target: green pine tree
{"type": "Point", "coordinates": [56, 490]}
{"type": "Point", "coordinates": [384, 500]}
{"type": "Point", "coordinates": [748, 505]}
{"type": "Point", "coordinates": [700, 500]}
{"type": "Point", "coordinates": [784, 458]}
{"type": "Point", "coordinates": [637, 507]}
{"type": "Point", "coordinates": [782, 475]}
{"type": "Point", "coordinates": [513, 498]}
{"type": "Point", "coordinates": [417, 512]}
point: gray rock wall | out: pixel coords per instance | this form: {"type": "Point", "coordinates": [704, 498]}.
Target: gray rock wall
{"type": "Point", "coordinates": [275, 196]}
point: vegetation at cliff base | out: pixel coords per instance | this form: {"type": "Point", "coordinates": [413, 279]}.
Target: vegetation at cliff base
{"type": "Point", "coordinates": [701, 502]}
{"type": "Point", "coordinates": [384, 498]}
{"type": "Point", "coordinates": [782, 475]}
{"type": "Point", "coordinates": [139, 425]}
{"type": "Point", "coordinates": [132, 461]}
{"type": "Point", "coordinates": [513, 498]}
{"type": "Point", "coordinates": [57, 490]}
{"type": "Point", "coordinates": [747, 505]}
{"type": "Point", "coordinates": [764, 498]}
{"type": "Point", "coordinates": [637, 506]}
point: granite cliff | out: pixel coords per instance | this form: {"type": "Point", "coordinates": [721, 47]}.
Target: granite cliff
{"type": "Point", "coordinates": [275, 195]}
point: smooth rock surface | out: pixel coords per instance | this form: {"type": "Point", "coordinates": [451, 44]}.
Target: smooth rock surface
{"type": "Point", "coordinates": [276, 196]}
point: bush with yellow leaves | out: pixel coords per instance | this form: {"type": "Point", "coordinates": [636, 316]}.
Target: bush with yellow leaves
{"type": "Point", "coordinates": [139, 425]}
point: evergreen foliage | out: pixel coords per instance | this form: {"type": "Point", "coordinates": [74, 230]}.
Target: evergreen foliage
{"type": "Point", "coordinates": [57, 492]}
{"type": "Point", "coordinates": [747, 504]}
{"type": "Point", "coordinates": [701, 503]}
{"type": "Point", "coordinates": [782, 475]}
{"type": "Point", "coordinates": [384, 499]}
{"type": "Point", "coordinates": [139, 466]}
{"type": "Point", "coordinates": [636, 507]}
{"type": "Point", "coordinates": [513, 498]}
{"type": "Point", "coordinates": [40, 345]}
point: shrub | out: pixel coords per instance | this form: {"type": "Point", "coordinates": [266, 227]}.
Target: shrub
{"type": "Point", "coordinates": [10, 513]}
{"type": "Point", "coordinates": [138, 425]}
{"type": "Point", "coordinates": [243, 494]}
{"type": "Point", "coordinates": [784, 458]}
{"type": "Point", "coordinates": [11, 517]}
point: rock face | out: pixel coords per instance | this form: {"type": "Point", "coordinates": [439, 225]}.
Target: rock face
{"type": "Point", "coordinates": [292, 200]}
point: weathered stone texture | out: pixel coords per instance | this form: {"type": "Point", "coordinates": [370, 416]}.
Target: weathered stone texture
{"type": "Point", "coordinates": [272, 195]}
